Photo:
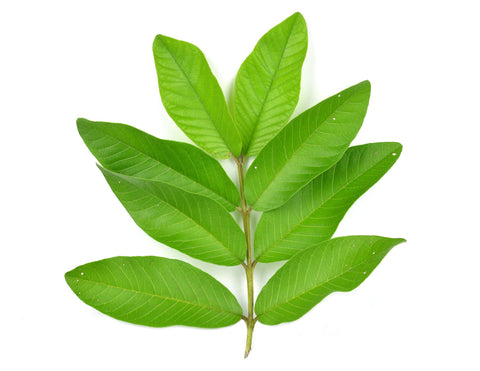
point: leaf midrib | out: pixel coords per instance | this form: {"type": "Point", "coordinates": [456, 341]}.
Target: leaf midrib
{"type": "Point", "coordinates": [158, 296]}
{"type": "Point", "coordinates": [322, 204]}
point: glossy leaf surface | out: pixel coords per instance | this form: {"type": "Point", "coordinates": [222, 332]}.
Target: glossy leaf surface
{"type": "Point", "coordinates": [312, 215]}
{"type": "Point", "coordinates": [126, 150]}
{"type": "Point", "coordinates": [340, 264]}
{"type": "Point", "coordinates": [154, 291]}
{"type": "Point", "coordinates": [192, 224]}
{"type": "Point", "coordinates": [267, 85]}
{"type": "Point", "coordinates": [309, 145]}
{"type": "Point", "coordinates": [192, 97]}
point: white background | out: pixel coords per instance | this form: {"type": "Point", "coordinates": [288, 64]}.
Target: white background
{"type": "Point", "coordinates": [61, 60]}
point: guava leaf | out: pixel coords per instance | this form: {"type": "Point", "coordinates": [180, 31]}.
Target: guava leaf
{"type": "Point", "coordinates": [154, 291]}
{"type": "Point", "coordinates": [340, 264]}
{"type": "Point", "coordinates": [309, 145]}
{"type": "Point", "coordinates": [312, 215]}
{"type": "Point", "coordinates": [192, 224]}
{"type": "Point", "coordinates": [193, 98]}
{"type": "Point", "coordinates": [267, 85]}
{"type": "Point", "coordinates": [126, 150]}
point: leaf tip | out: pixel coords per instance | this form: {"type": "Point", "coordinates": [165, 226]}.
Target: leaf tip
{"type": "Point", "coordinates": [298, 15]}
{"type": "Point", "coordinates": [400, 147]}
{"type": "Point", "coordinates": [102, 169]}
{"type": "Point", "coordinates": [82, 122]}
{"type": "Point", "coordinates": [158, 38]}
{"type": "Point", "coordinates": [366, 84]}
{"type": "Point", "coordinates": [394, 148]}
{"type": "Point", "coordinates": [69, 278]}
{"type": "Point", "coordinates": [397, 241]}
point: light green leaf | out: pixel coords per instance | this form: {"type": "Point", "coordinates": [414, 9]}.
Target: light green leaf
{"type": "Point", "coordinates": [313, 213]}
{"type": "Point", "coordinates": [192, 97]}
{"type": "Point", "coordinates": [340, 264]}
{"type": "Point", "coordinates": [192, 224]}
{"type": "Point", "coordinates": [267, 85]}
{"type": "Point", "coordinates": [129, 151]}
{"type": "Point", "coordinates": [156, 292]}
{"type": "Point", "coordinates": [309, 145]}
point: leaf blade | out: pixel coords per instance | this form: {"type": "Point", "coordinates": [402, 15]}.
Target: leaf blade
{"type": "Point", "coordinates": [192, 224]}
{"type": "Point", "coordinates": [267, 85]}
{"type": "Point", "coordinates": [340, 264]}
{"type": "Point", "coordinates": [193, 98]}
{"type": "Point", "coordinates": [309, 145]}
{"type": "Point", "coordinates": [154, 291]}
{"type": "Point", "coordinates": [312, 215]}
{"type": "Point", "coordinates": [126, 150]}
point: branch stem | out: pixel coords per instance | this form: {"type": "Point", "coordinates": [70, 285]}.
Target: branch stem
{"type": "Point", "coordinates": [249, 265]}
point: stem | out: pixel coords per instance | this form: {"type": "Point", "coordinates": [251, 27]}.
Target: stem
{"type": "Point", "coordinates": [249, 265]}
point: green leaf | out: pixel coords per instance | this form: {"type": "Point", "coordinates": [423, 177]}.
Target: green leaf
{"type": "Point", "coordinates": [129, 151]}
{"type": "Point", "coordinates": [340, 264]}
{"type": "Point", "coordinates": [192, 224]}
{"type": "Point", "coordinates": [156, 292]}
{"type": "Point", "coordinates": [313, 213]}
{"type": "Point", "coordinates": [192, 97]}
{"type": "Point", "coordinates": [309, 145]}
{"type": "Point", "coordinates": [267, 85]}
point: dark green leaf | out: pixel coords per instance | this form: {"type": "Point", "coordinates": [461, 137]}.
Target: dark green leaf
{"type": "Point", "coordinates": [192, 97]}
{"type": "Point", "coordinates": [268, 83]}
{"type": "Point", "coordinates": [192, 224]}
{"type": "Point", "coordinates": [313, 214]}
{"type": "Point", "coordinates": [153, 291]}
{"type": "Point", "coordinates": [129, 151]}
{"type": "Point", "coordinates": [340, 264]}
{"type": "Point", "coordinates": [309, 145]}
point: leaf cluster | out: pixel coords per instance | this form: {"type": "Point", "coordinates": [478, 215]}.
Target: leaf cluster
{"type": "Point", "coordinates": [304, 178]}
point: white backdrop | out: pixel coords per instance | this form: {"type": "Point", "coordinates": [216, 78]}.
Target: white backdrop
{"type": "Point", "coordinates": [66, 59]}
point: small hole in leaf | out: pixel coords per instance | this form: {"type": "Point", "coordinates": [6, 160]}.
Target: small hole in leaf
{"type": "Point", "coordinates": [339, 95]}
{"type": "Point", "coordinates": [119, 182]}
{"type": "Point", "coordinates": [81, 273]}
{"type": "Point", "coordinates": [333, 118]}
{"type": "Point", "coordinates": [256, 167]}
{"type": "Point", "coordinates": [373, 253]}
{"type": "Point", "coordinates": [364, 272]}
{"type": "Point", "coordinates": [78, 280]}
{"type": "Point", "coordinates": [123, 264]}
{"type": "Point", "coordinates": [394, 154]}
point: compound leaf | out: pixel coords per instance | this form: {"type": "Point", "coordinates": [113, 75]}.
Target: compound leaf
{"type": "Point", "coordinates": [126, 150]}
{"type": "Point", "coordinates": [267, 85]}
{"type": "Point", "coordinates": [192, 97]}
{"type": "Point", "coordinates": [309, 145]}
{"type": "Point", "coordinates": [154, 291]}
{"type": "Point", "coordinates": [313, 213]}
{"type": "Point", "coordinates": [192, 224]}
{"type": "Point", "coordinates": [340, 264]}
